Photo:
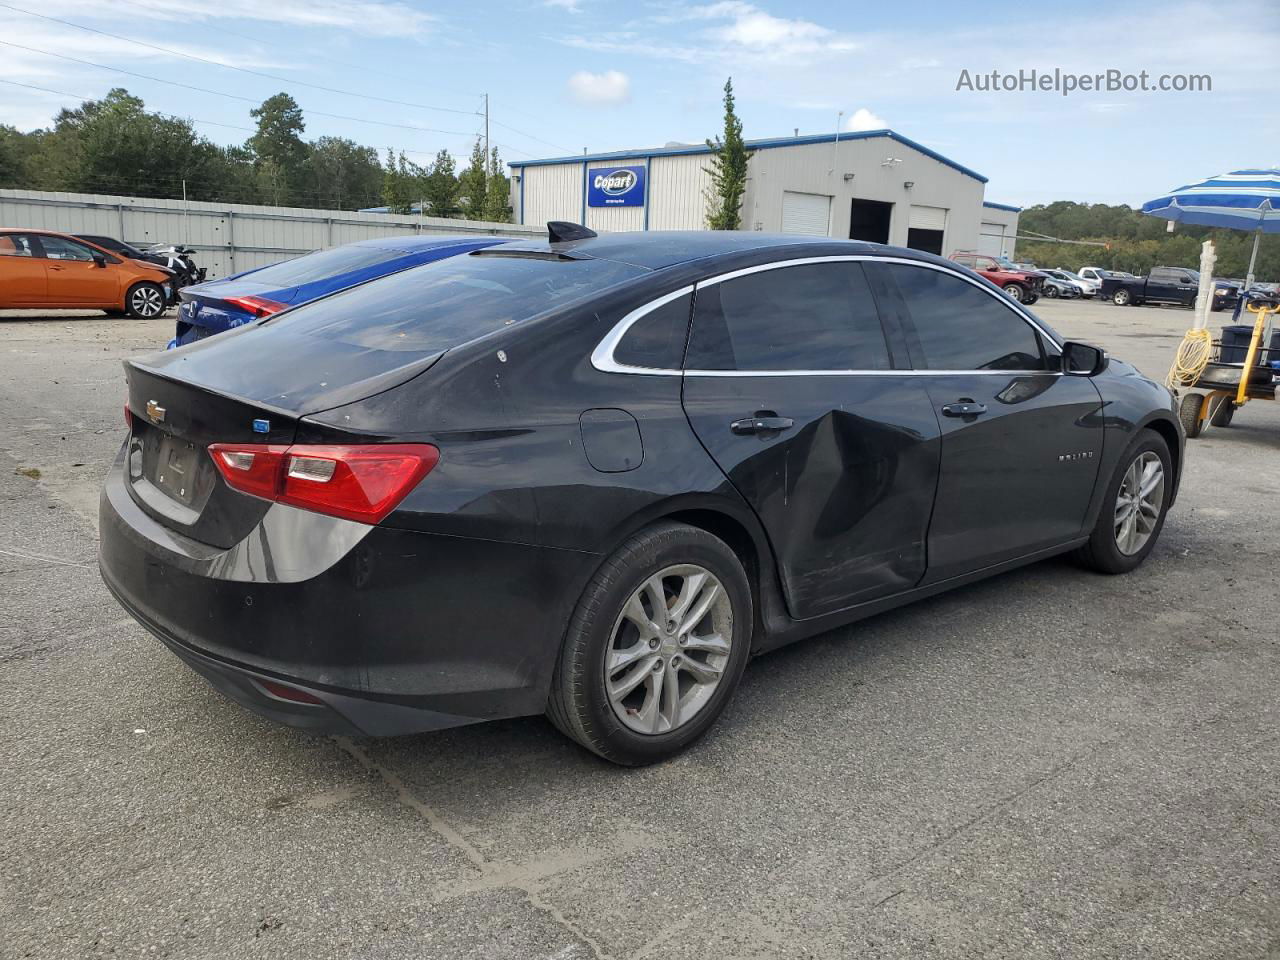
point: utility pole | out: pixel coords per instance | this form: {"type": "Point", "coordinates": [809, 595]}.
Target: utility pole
{"type": "Point", "coordinates": [486, 135]}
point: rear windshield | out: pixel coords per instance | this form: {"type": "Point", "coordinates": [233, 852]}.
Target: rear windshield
{"type": "Point", "coordinates": [324, 263]}
{"type": "Point", "coordinates": [439, 305]}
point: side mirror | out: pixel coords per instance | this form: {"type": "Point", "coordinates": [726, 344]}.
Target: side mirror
{"type": "Point", "coordinates": [99, 260]}
{"type": "Point", "coordinates": [1083, 360]}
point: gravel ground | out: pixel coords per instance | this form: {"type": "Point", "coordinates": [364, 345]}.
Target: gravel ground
{"type": "Point", "coordinates": [1050, 763]}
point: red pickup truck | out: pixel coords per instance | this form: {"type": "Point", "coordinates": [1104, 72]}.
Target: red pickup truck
{"type": "Point", "coordinates": [1023, 285]}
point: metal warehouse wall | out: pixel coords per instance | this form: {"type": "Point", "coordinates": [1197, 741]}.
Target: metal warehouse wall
{"type": "Point", "coordinates": [229, 237]}
{"type": "Point", "coordinates": [677, 192]}
{"type": "Point", "coordinates": [551, 192]}
{"type": "Point", "coordinates": [821, 168]}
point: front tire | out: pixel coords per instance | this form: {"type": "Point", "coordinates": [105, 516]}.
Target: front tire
{"type": "Point", "coordinates": [1134, 509]}
{"type": "Point", "coordinates": [656, 646]}
{"type": "Point", "coordinates": [1051, 293]}
{"type": "Point", "coordinates": [1189, 410]}
{"type": "Point", "coordinates": [145, 301]}
{"type": "Point", "coordinates": [1015, 291]}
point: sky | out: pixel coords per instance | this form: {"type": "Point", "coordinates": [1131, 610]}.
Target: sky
{"type": "Point", "coordinates": [564, 75]}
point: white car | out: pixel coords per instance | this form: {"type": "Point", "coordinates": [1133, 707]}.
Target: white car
{"type": "Point", "coordinates": [1087, 288]}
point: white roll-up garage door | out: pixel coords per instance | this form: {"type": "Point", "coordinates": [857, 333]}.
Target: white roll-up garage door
{"type": "Point", "coordinates": [928, 218]}
{"type": "Point", "coordinates": [991, 239]}
{"type": "Point", "coordinates": [808, 213]}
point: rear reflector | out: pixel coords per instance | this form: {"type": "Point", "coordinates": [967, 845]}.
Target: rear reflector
{"type": "Point", "coordinates": [257, 306]}
{"type": "Point", "coordinates": [362, 483]}
{"type": "Point", "coordinates": [284, 692]}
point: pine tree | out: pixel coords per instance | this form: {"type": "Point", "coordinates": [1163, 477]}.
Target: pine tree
{"type": "Point", "coordinates": [497, 204]}
{"type": "Point", "coordinates": [728, 170]}
{"type": "Point", "coordinates": [442, 187]}
{"type": "Point", "coordinates": [473, 183]}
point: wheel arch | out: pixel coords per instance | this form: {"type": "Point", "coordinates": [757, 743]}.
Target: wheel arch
{"type": "Point", "coordinates": [1168, 432]}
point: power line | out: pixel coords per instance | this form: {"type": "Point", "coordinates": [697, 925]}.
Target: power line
{"type": "Point", "coordinates": [228, 66]}
{"type": "Point", "coordinates": [234, 96]}
{"type": "Point", "coordinates": [213, 123]}
{"type": "Point", "coordinates": [284, 80]}
{"type": "Point", "coordinates": [328, 59]}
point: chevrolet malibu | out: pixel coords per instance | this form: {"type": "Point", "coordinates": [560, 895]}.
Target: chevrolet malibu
{"type": "Point", "coordinates": [593, 476]}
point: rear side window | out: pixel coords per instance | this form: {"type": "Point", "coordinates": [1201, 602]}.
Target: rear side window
{"type": "Point", "coordinates": [323, 264]}
{"type": "Point", "coordinates": [818, 316]}
{"type": "Point", "coordinates": [439, 305]}
{"type": "Point", "coordinates": [657, 339]}
{"type": "Point", "coordinates": [15, 245]}
{"type": "Point", "coordinates": [959, 326]}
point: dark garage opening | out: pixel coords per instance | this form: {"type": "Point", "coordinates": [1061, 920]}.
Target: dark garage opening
{"type": "Point", "coordinates": [930, 241]}
{"type": "Point", "coordinates": [869, 220]}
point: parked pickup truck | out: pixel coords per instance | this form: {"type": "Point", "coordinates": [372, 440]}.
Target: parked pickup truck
{"type": "Point", "coordinates": [1177, 285]}
{"type": "Point", "coordinates": [1025, 286]}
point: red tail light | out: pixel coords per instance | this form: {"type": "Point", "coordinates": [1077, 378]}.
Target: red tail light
{"type": "Point", "coordinates": [257, 306]}
{"type": "Point", "coordinates": [128, 415]}
{"type": "Point", "coordinates": [284, 692]}
{"type": "Point", "coordinates": [362, 483]}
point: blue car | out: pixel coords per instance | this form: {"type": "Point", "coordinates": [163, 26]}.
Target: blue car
{"type": "Point", "coordinates": [218, 305]}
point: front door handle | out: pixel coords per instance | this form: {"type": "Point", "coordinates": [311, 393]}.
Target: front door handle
{"type": "Point", "coordinates": [764, 421]}
{"type": "Point", "coordinates": [964, 408]}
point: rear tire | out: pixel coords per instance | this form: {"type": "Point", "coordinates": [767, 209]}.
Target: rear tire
{"type": "Point", "coordinates": [1223, 415]}
{"type": "Point", "coordinates": [586, 702]}
{"type": "Point", "coordinates": [1189, 408]}
{"type": "Point", "coordinates": [1121, 297]}
{"type": "Point", "coordinates": [1128, 525]}
{"type": "Point", "coordinates": [145, 301]}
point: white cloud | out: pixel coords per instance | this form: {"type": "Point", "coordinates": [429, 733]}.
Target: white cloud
{"type": "Point", "coordinates": [600, 89]}
{"type": "Point", "coordinates": [864, 119]}
{"type": "Point", "coordinates": [747, 29]}
{"type": "Point", "coordinates": [573, 6]}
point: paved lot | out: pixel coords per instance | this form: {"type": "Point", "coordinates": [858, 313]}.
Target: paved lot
{"type": "Point", "coordinates": [1051, 763]}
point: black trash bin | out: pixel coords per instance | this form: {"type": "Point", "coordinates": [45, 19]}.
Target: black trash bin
{"type": "Point", "coordinates": [1235, 343]}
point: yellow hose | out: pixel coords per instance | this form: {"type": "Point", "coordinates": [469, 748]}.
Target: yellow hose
{"type": "Point", "coordinates": [1191, 359]}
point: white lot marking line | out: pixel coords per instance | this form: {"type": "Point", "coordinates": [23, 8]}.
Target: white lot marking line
{"type": "Point", "coordinates": [58, 560]}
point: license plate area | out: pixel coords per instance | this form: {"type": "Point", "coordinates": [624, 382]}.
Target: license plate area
{"type": "Point", "coordinates": [175, 469]}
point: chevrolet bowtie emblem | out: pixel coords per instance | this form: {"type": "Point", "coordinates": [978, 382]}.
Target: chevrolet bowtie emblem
{"type": "Point", "coordinates": [155, 411]}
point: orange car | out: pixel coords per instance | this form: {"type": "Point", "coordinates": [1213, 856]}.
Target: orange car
{"type": "Point", "coordinates": [39, 268]}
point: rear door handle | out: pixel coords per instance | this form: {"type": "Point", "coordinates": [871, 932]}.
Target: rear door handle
{"type": "Point", "coordinates": [765, 421]}
{"type": "Point", "coordinates": [964, 408]}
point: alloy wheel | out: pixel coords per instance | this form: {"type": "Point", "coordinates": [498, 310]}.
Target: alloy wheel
{"type": "Point", "coordinates": [1014, 291]}
{"type": "Point", "coordinates": [669, 649]}
{"type": "Point", "coordinates": [148, 302]}
{"type": "Point", "coordinates": [1138, 503]}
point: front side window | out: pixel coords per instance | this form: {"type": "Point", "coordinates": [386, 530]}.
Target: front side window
{"type": "Point", "coordinates": [959, 326]}
{"type": "Point", "coordinates": [56, 248]}
{"type": "Point", "coordinates": [818, 316]}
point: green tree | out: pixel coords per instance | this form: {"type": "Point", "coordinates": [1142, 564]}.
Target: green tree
{"type": "Point", "coordinates": [497, 203]}
{"type": "Point", "coordinates": [473, 184]}
{"type": "Point", "coordinates": [728, 170]}
{"type": "Point", "coordinates": [16, 149]}
{"type": "Point", "coordinates": [342, 174]}
{"type": "Point", "coordinates": [278, 146]}
{"type": "Point", "coordinates": [442, 187]}
{"type": "Point", "coordinates": [403, 184]}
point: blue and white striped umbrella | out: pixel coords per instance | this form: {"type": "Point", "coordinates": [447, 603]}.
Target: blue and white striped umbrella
{"type": "Point", "coordinates": [1243, 200]}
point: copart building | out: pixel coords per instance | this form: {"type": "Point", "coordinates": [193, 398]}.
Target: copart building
{"type": "Point", "coordinates": [874, 185]}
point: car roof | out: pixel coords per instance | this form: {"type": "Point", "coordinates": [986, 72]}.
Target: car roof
{"type": "Point", "coordinates": [657, 249]}
{"type": "Point", "coordinates": [411, 243]}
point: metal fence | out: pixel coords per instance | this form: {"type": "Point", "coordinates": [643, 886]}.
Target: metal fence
{"type": "Point", "coordinates": [228, 237]}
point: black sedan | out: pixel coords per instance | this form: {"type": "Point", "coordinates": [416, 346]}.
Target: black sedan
{"type": "Point", "coordinates": [593, 476]}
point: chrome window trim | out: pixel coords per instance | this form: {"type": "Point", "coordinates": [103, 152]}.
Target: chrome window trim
{"type": "Point", "coordinates": [602, 357]}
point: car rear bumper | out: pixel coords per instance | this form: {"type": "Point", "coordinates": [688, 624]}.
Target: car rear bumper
{"type": "Point", "coordinates": [394, 631]}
